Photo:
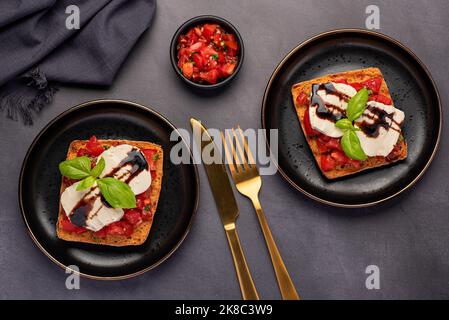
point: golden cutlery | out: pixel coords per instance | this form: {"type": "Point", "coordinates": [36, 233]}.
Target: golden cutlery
{"type": "Point", "coordinates": [227, 208]}
{"type": "Point", "coordinates": [248, 182]}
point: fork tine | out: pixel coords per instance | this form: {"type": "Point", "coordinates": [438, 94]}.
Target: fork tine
{"type": "Point", "coordinates": [228, 155]}
{"type": "Point", "coordinates": [237, 163]}
{"type": "Point", "coordinates": [251, 161]}
{"type": "Point", "coordinates": [240, 150]}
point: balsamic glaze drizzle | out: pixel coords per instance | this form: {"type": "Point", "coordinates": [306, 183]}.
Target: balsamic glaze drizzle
{"type": "Point", "coordinates": [138, 163]}
{"type": "Point", "coordinates": [326, 112]}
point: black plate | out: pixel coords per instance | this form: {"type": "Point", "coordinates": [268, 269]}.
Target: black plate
{"type": "Point", "coordinates": [412, 90]}
{"type": "Point", "coordinates": [40, 183]}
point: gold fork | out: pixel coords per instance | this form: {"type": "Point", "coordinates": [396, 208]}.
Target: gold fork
{"type": "Point", "coordinates": [248, 182]}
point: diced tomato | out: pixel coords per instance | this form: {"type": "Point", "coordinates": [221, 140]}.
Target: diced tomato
{"type": "Point", "coordinates": [211, 50]}
{"type": "Point", "coordinates": [187, 69]}
{"type": "Point", "coordinates": [380, 98]}
{"type": "Point", "coordinates": [199, 61]}
{"type": "Point", "coordinates": [227, 69]}
{"type": "Point", "coordinates": [333, 144]}
{"type": "Point", "coordinates": [221, 57]}
{"type": "Point", "coordinates": [324, 138]}
{"type": "Point", "coordinates": [82, 152]}
{"type": "Point", "coordinates": [384, 99]}
{"type": "Point", "coordinates": [322, 146]}
{"type": "Point", "coordinates": [196, 46]}
{"type": "Point", "coordinates": [206, 52]}
{"type": "Point", "coordinates": [302, 99]}
{"type": "Point", "coordinates": [101, 233]}
{"type": "Point", "coordinates": [339, 157]}
{"type": "Point", "coordinates": [209, 76]}
{"type": "Point", "coordinates": [68, 226]}
{"type": "Point", "coordinates": [232, 45]}
{"type": "Point", "coordinates": [356, 164]}
{"type": "Point", "coordinates": [307, 126]}
{"type": "Point", "coordinates": [341, 80]}
{"type": "Point", "coordinates": [209, 30]}
{"type": "Point", "coordinates": [120, 228]}
{"type": "Point", "coordinates": [373, 84]}
{"type": "Point", "coordinates": [93, 147]}
{"type": "Point", "coordinates": [357, 86]}
{"type": "Point", "coordinates": [394, 154]}
{"type": "Point", "coordinates": [149, 156]}
{"type": "Point", "coordinates": [327, 162]}
{"type": "Point", "coordinates": [133, 217]}
{"type": "Point", "coordinates": [147, 214]}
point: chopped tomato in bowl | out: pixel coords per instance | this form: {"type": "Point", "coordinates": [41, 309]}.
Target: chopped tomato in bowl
{"type": "Point", "coordinates": [207, 52]}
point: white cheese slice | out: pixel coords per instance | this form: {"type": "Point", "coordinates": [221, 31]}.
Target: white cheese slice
{"type": "Point", "coordinates": [101, 215]}
{"type": "Point", "coordinates": [384, 142]}
{"type": "Point", "coordinates": [113, 157]}
{"type": "Point", "coordinates": [326, 126]}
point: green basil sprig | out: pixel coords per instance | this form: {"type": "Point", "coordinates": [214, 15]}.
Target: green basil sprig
{"type": "Point", "coordinates": [117, 193]}
{"type": "Point", "coordinates": [350, 142]}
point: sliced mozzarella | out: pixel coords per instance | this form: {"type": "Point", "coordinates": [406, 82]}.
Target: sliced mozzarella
{"type": "Point", "coordinates": [327, 126]}
{"type": "Point", "coordinates": [384, 142]}
{"type": "Point", "coordinates": [99, 215]}
{"type": "Point", "coordinates": [113, 157]}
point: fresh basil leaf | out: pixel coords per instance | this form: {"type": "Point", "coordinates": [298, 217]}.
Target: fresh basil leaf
{"type": "Point", "coordinates": [117, 193]}
{"type": "Point", "coordinates": [155, 157]}
{"type": "Point", "coordinates": [350, 144]}
{"type": "Point", "coordinates": [344, 124]}
{"type": "Point", "coordinates": [357, 104]}
{"type": "Point", "coordinates": [86, 183]}
{"type": "Point", "coordinates": [98, 168]}
{"type": "Point", "coordinates": [77, 168]}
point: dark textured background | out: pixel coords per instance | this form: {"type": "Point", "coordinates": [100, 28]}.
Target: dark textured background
{"type": "Point", "coordinates": [325, 249]}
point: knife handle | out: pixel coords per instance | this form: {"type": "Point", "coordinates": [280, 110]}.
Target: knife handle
{"type": "Point", "coordinates": [247, 287]}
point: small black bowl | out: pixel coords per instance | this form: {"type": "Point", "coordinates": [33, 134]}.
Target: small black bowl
{"type": "Point", "coordinates": [184, 28]}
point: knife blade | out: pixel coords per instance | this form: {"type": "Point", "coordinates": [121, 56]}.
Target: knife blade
{"type": "Point", "coordinates": [226, 205]}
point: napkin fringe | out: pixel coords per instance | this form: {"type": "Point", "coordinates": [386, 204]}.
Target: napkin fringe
{"type": "Point", "coordinates": [26, 96]}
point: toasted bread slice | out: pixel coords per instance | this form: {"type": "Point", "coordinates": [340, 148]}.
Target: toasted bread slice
{"type": "Point", "coordinates": [141, 232]}
{"type": "Point", "coordinates": [350, 76]}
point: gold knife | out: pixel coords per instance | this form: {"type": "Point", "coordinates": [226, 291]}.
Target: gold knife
{"type": "Point", "coordinates": [227, 208]}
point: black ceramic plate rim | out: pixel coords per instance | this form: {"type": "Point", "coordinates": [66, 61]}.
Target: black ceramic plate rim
{"type": "Point", "coordinates": [393, 42]}
{"type": "Point", "coordinates": [25, 161]}
{"type": "Point", "coordinates": [198, 19]}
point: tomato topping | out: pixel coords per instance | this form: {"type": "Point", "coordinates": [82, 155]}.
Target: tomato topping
{"type": "Point", "coordinates": [68, 226]}
{"type": "Point", "coordinates": [207, 54]}
{"type": "Point", "coordinates": [302, 99]}
{"type": "Point", "coordinates": [227, 69]}
{"type": "Point", "coordinates": [384, 99]}
{"type": "Point", "coordinates": [394, 154]}
{"type": "Point", "coordinates": [133, 217]}
{"type": "Point", "coordinates": [356, 164]}
{"type": "Point", "coordinates": [339, 157]}
{"type": "Point", "coordinates": [210, 76]}
{"type": "Point", "coordinates": [373, 84]}
{"type": "Point", "coordinates": [333, 144]}
{"type": "Point", "coordinates": [199, 61]}
{"type": "Point", "coordinates": [120, 228]}
{"type": "Point", "coordinates": [187, 69]}
{"type": "Point", "coordinates": [327, 162]}
{"type": "Point", "coordinates": [209, 30]}
{"type": "Point", "coordinates": [94, 148]}
{"type": "Point", "coordinates": [102, 233]}
{"type": "Point", "coordinates": [150, 156]}
{"type": "Point", "coordinates": [82, 152]}
{"type": "Point", "coordinates": [357, 86]}
{"type": "Point", "coordinates": [307, 126]}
